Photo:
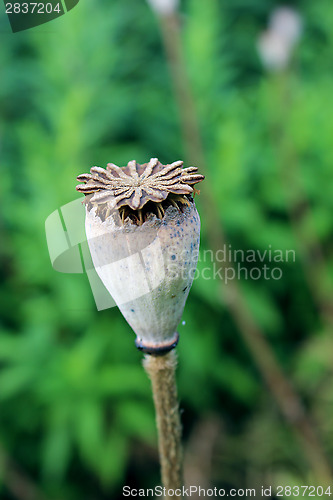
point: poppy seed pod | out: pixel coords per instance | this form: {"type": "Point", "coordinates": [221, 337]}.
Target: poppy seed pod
{"type": "Point", "coordinates": [143, 234]}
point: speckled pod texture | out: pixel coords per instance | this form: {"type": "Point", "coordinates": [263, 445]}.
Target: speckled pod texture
{"type": "Point", "coordinates": [147, 269]}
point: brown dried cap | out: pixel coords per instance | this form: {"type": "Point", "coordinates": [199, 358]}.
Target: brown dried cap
{"type": "Point", "coordinates": [135, 184]}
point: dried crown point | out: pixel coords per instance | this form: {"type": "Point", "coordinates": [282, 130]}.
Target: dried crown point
{"type": "Point", "coordinates": [131, 189]}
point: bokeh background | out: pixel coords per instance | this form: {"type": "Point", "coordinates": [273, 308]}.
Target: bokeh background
{"type": "Point", "coordinates": [117, 80]}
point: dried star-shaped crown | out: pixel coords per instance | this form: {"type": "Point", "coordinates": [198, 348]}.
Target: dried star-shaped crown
{"type": "Point", "coordinates": [135, 185]}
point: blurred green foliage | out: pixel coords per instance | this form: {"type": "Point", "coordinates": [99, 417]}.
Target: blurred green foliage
{"type": "Point", "coordinates": [93, 87]}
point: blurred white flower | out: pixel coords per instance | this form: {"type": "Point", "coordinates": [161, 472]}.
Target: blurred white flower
{"type": "Point", "coordinates": [287, 23]}
{"type": "Point", "coordinates": [276, 45]}
{"type": "Point", "coordinates": [164, 7]}
{"type": "Point", "coordinates": [273, 50]}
